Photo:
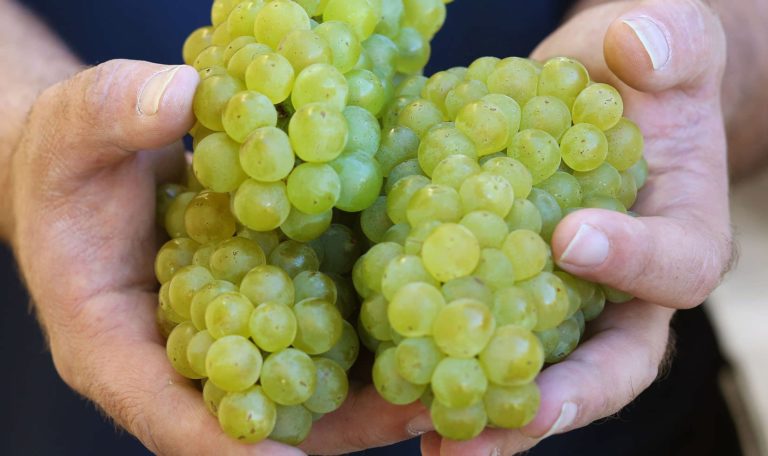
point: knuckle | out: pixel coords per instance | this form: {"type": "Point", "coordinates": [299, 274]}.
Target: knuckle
{"type": "Point", "coordinates": [96, 90]}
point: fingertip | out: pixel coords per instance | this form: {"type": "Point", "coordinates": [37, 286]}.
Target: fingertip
{"type": "Point", "coordinates": [430, 444]}
{"type": "Point", "coordinates": [628, 58]}
{"type": "Point", "coordinates": [164, 104]}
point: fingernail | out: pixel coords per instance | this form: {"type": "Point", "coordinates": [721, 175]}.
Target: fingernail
{"type": "Point", "coordinates": [151, 95]}
{"type": "Point", "coordinates": [588, 248]}
{"type": "Point", "coordinates": [654, 40]}
{"type": "Point", "coordinates": [420, 425]}
{"type": "Point", "coordinates": [567, 415]}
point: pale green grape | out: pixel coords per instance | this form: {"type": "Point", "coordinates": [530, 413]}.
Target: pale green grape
{"type": "Point", "coordinates": [359, 14]}
{"type": "Point", "coordinates": [382, 52]}
{"type": "Point", "coordinates": [237, 44]}
{"type": "Point", "coordinates": [240, 20]}
{"type": "Point", "coordinates": [481, 68]}
{"type": "Point", "coordinates": [512, 407]}
{"type": "Point", "coordinates": [174, 255]}
{"type": "Point", "coordinates": [277, 19]}
{"type": "Point", "coordinates": [261, 206]}
{"type": "Point", "coordinates": [420, 116]}
{"type": "Point", "coordinates": [197, 350]}
{"type": "Point", "coordinates": [417, 359]}
{"type": "Point", "coordinates": [203, 254]}
{"type": "Point", "coordinates": [514, 356]}
{"type": "Point", "coordinates": [441, 142]}
{"type": "Point", "coordinates": [551, 298]}
{"type": "Point", "coordinates": [390, 384]}
{"type": "Point", "coordinates": [373, 317]}
{"type": "Point", "coordinates": [341, 249]}
{"type": "Point", "coordinates": [304, 48]}
{"type": "Point", "coordinates": [374, 221]}
{"type": "Point", "coordinates": [524, 216]}
{"type": "Point", "coordinates": [575, 289]}
{"type": "Point", "coordinates": [593, 307]}
{"type": "Point", "coordinates": [464, 93]}
{"type": "Point", "coordinates": [463, 328]}
{"type": "Point", "coordinates": [509, 107]}
{"type": "Point", "coordinates": [563, 78]}
{"type": "Point", "coordinates": [311, 284]}
{"type": "Point", "coordinates": [343, 42]}
{"type": "Point", "coordinates": [459, 382]}
{"type": "Point", "coordinates": [600, 105]}
{"type": "Point", "coordinates": [204, 297]}
{"type": "Point", "coordinates": [398, 144]}
{"type": "Point", "coordinates": [460, 423]}
{"type": "Point", "coordinates": [569, 335]}
{"type": "Point", "coordinates": [397, 233]}
{"type": "Point", "coordinates": [450, 251]}
{"type": "Point", "coordinates": [411, 86]}
{"type": "Point", "coordinates": [434, 203]}
{"type": "Point", "coordinates": [212, 395]}
{"type": "Point", "coordinates": [366, 90]}
{"type": "Point", "coordinates": [206, 73]}
{"type": "Point", "coordinates": [640, 172]}
{"type": "Point", "coordinates": [234, 257]}
{"type": "Point", "coordinates": [616, 296]}
{"type": "Point", "coordinates": [164, 196]}
{"type": "Point", "coordinates": [426, 16]}
{"type": "Point", "coordinates": [538, 151]}
{"type": "Point", "coordinates": [391, 17]}
{"type": "Point", "coordinates": [345, 351]}
{"type": "Point", "coordinates": [221, 9]}
{"type": "Point", "coordinates": [514, 172]}
{"type": "Point", "coordinates": [401, 171]}
{"type": "Point", "coordinates": [246, 112]}
{"type": "Point", "coordinates": [221, 36]}
{"type": "Point", "coordinates": [487, 192]}
{"type": "Point", "coordinates": [515, 77]}
{"type": "Point", "coordinates": [320, 83]}
{"type": "Point", "coordinates": [216, 162]}
{"type": "Point", "coordinates": [584, 147]}
{"type": "Point", "coordinates": [174, 223]}
{"type": "Point", "coordinates": [318, 133]}
{"type": "Point", "coordinates": [604, 180]}
{"type": "Point", "coordinates": [361, 181]}
{"type": "Point", "coordinates": [288, 377]}
{"type": "Point", "coordinates": [401, 271]}
{"type": "Point", "coordinates": [546, 113]}
{"type": "Point", "coordinates": [414, 50]}
{"type": "Point", "coordinates": [364, 131]}
{"type": "Point", "coordinates": [514, 306]}
{"type": "Point", "coordinates": [247, 416]}
{"type": "Point", "coordinates": [469, 287]}
{"type": "Point", "coordinates": [314, 188]}
{"type": "Point", "coordinates": [268, 283]}
{"type": "Point", "coordinates": [486, 124]}
{"type": "Point", "coordinates": [227, 315]}
{"type": "Point", "coordinates": [625, 145]}
{"type": "Point", "coordinates": [489, 229]}
{"type": "Point", "coordinates": [306, 227]}
{"type": "Point", "coordinates": [272, 75]}
{"type": "Point", "coordinates": [272, 326]}
{"type": "Point", "coordinates": [294, 257]}
{"type": "Point", "coordinates": [627, 194]}
{"type": "Point", "coordinates": [164, 309]}
{"type": "Point", "coordinates": [313, 7]}
{"type": "Point", "coordinates": [211, 98]}
{"type": "Point", "coordinates": [564, 188]}
{"type": "Point", "coordinates": [208, 218]}
{"type": "Point", "coordinates": [453, 170]}
{"type": "Point", "coordinates": [292, 425]}
{"type": "Point", "coordinates": [495, 269]}
{"type": "Point", "coordinates": [319, 326]}
{"type": "Point", "coordinates": [549, 209]}
{"type": "Point", "coordinates": [604, 202]}
{"type": "Point", "coordinates": [238, 64]}
{"type": "Point", "coordinates": [176, 349]}
{"type": "Point", "coordinates": [267, 240]}
{"type": "Point", "coordinates": [185, 283]}
{"type": "Point", "coordinates": [210, 57]}
{"type": "Point", "coordinates": [196, 43]}
{"type": "Point", "coordinates": [233, 363]}
{"type": "Point", "coordinates": [414, 308]}
{"type": "Point", "coordinates": [332, 387]}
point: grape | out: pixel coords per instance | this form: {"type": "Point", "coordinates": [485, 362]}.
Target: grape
{"type": "Point", "coordinates": [450, 251]}
{"type": "Point", "coordinates": [426, 16]}
{"type": "Point", "coordinates": [404, 169]}
{"type": "Point", "coordinates": [364, 131]}
{"type": "Point", "coordinates": [208, 219]}
{"type": "Point", "coordinates": [221, 36]}
{"type": "Point", "coordinates": [171, 317]}
{"type": "Point", "coordinates": [247, 416]}
{"type": "Point", "coordinates": [216, 162]}
{"type": "Point", "coordinates": [309, 284]}
{"type": "Point", "coordinates": [212, 395]}
{"type": "Point", "coordinates": [563, 78]}
{"type": "Point", "coordinates": [382, 52]}
{"type": "Point", "coordinates": [374, 221]}
{"type": "Point", "coordinates": [604, 180]}
{"type": "Point", "coordinates": [434, 203]}
{"type": "Point", "coordinates": [486, 124]}
{"type": "Point", "coordinates": [548, 209]}
{"type": "Point", "coordinates": [247, 111]}
{"type": "Point", "coordinates": [272, 75]}
{"type": "Point", "coordinates": [304, 48]}
{"type": "Point", "coordinates": [175, 224]}
{"type": "Point", "coordinates": [403, 270]}
{"type": "Point", "coordinates": [176, 349]}
{"type": "Point", "coordinates": [463, 328]}
{"type": "Point", "coordinates": [235, 45]}
{"type": "Point", "coordinates": [414, 242]}
{"type": "Point", "coordinates": [332, 387]}
{"type": "Point", "coordinates": [640, 172]}
{"type": "Point", "coordinates": [277, 19]}
{"type": "Point", "coordinates": [411, 86]}
{"type": "Point", "coordinates": [414, 51]}
{"type": "Point", "coordinates": [398, 144]}
{"type": "Point", "coordinates": [453, 170]}
{"type": "Point", "coordinates": [238, 64]}
{"type": "Point", "coordinates": [390, 384]}
{"type": "Point", "coordinates": [575, 290]}
{"type": "Point", "coordinates": [267, 240]}
{"type": "Point", "coordinates": [538, 151]}
{"type": "Point", "coordinates": [233, 363]}
{"type": "Point", "coordinates": [568, 335]}
{"type": "Point", "coordinates": [294, 257]}
{"type": "Point", "coordinates": [512, 407]}
{"type": "Point", "coordinates": [341, 249]}
{"type": "Point", "coordinates": [164, 196]}
{"type": "Point", "coordinates": [420, 116]}
{"type": "Point", "coordinates": [551, 298]}
{"type": "Point", "coordinates": [306, 227]}
{"type": "Point", "coordinates": [604, 202]}
{"type": "Point", "coordinates": [527, 252]}
{"type": "Point", "coordinates": [314, 188]}
{"type": "Point", "coordinates": [210, 57]}
{"type": "Point", "coordinates": [272, 326]}
{"type": "Point", "coordinates": [514, 172]}
{"type": "Point", "coordinates": [584, 147]}
{"type": "Point", "coordinates": [268, 284]}
{"type": "Point", "coordinates": [292, 425]}
{"type": "Point", "coordinates": [616, 296]}
{"type": "Point", "coordinates": [516, 78]}
{"type": "Point", "coordinates": [417, 359]}
{"type": "Point", "coordinates": [344, 45]}
{"type": "Point", "coordinates": [414, 308]}
{"type": "Point", "coordinates": [462, 423]}
{"type": "Point", "coordinates": [197, 41]}
{"type": "Point", "coordinates": [469, 287]}
{"type": "Point", "coordinates": [481, 68]}
{"type": "Point", "coordinates": [625, 145]}
{"type": "Point", "coordinates": [459, 382]}
{"type": "Point", "coordinates": [600, 105]}
{"type": "Point", "coordinates": [233, 258]}
{"type": "Point", "coordinates": [494, 268]}
{"type": "Point", "coordinates": [319, 326]}
{"type": "Point", "coordinates": [174, 255]}
{"type": "Point", "coordinates": [513, 356]}
{"type": "Point", "coordinates": [345, 351]}
{"type": "Point", "coordinates": [546, 113]}
{"type": "Point", "coordinates": [361, 181]}
{"type": "Point", "coordinates": [221, 10]}
{"type": "Point", "coordinates": [204, 297]}
{"type": "Point", "coordinates": [320, 83]}
{"type": "Point", "coordinates": [261, 206]}
{"type": "Point", "coordinates": [524, 215]}
{"type": "Point", "coordinates": [241, 19]}
{"type": "Point", "coordinates": [228, 314]}
{"type": "Point", "coordinates": [400, 195]}
{"type": "Point", "coordinates": [211, 99]}
{"type": "Point", "coordinates": [391, 17]}
{"type": "Point", "coordinates": [288, 377]}
{"type": "Point", "coordinates": [627, 194]}
{"type": "Point", "coordinates": [441, 142]}
{"type": "Point", "coordinates": [197, 350]}
{"type": "Point", "coordinates": [464, 93]}
{"type": "Point", "coordinates": [185, 283]}
{"type": "Point", "coordinates": [514, 306]}
{"type": "Point", "coordinates": [366, 90]}
{"type": "Point", "coordinates": [565, 188]}
{"type": "Point", "coordinates": [318, 133]}
{"type": "Point", "coordinates": [489, 192]}
{"type": "Point", "coordinates": [359, 14]}
{"type": "Point", "coordinates": [593, 306]}
{"type": "Point", "coordinates": [373, 317]}
{"type": "Point", "coordinates": [489, 229]}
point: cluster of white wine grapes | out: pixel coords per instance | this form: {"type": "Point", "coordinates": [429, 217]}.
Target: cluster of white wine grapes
{"type": "Point", "coordinates": [255, 282]}
{"type": "Point", "coordinates": [463, 304]}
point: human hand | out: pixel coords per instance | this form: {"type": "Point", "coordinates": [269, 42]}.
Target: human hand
{"type": "Point", "coordinates": [675, 253]}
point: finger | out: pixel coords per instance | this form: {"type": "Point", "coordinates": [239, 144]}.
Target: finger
{"type": "Point", "coordinates": [168, 165]}
{"type": "Point", "coordinates": [430, 444]}
{"type": "Point", "coordinates": [597, 380]}
{"type": "Point", "coordinates": [670, 261]}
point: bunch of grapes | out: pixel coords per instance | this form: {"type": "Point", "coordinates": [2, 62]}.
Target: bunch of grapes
{"type": "Point", "coordinates": [255, 288]}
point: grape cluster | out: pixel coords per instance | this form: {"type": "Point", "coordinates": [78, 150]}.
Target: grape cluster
{"type": "Point", "coordinates": [255, 291]}
{"type": "Point", "coordinates": [463, 304]}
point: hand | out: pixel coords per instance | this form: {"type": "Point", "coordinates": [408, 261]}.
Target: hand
{"type": "Point", "coordinates": [674, 254]}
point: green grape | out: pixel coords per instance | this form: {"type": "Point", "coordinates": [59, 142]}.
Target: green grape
{"type": "Point", "coordinates": [513, 171]}
{"type": "Point", "coordinates": [427, 398]}
{"type": "Point", "coordinates": [512, 407]}
{"type": "Point", "coordinates": [359, 14]}
{"type": "Point", "coordinates": [312, 7]}
{"type": "Point", "coordinates": [584, 147]}
{"type": "Point", "coordinates": [463, 328]}
{"type": "Point", "coordinates": [487, 192]}
{"type": "Point", "coordinates": [272, 326]}
{"type": "Point", "coordinates": [575, 288]}
{"type": "Point", "coordinates": [414, 308]}
{"type": "Point", "coordinates": [206, 73]}
{"type": "Point", "coordinates": [391, 17]}
{"type": "Point", "coordinates": [176, 349]}
{"type": "Point", "coordinates": [401, 171]}
{"type": "Point", "coordinates": [304, 48]}
{"type": "Point", "coordinates": [320, 83]}
{"type": "Point", "coordinates": [268, 283]}
{"type": "Point", "coordinates": [398, 144]}
{"type": "Point", "coordinates": [373, 317]}
{"type": "Point", "coordinates": [341, 249]}
{"type": "Point", "coordinates": [294, 257]}
{"type": "Point", "coordinates": [174, 255]}
{"type": "Point", "coordinates": [514, 356]}
{"type": "Point", "coordinates": [318, 133]}
{"type": "Point", "coordinates": [241, 19]}
{"type": "Point", "coordinates": [208, 218]}
{"type": "Point", "coordinates": [486, 124]}
{"type": "Point", "coordinates": [247, 111]}
{"type": "Point", "coordinates": [261, 206]}
{"type": "Point", "coordinates": [185, 283]}
{"type": "Point", "coordinates": [221, 36]}
{"type": "Point", "coordinates": [509, 107]}
{"type": "Point", "coordinates": [538, 151]}
{"type": "Point", "coordinates": [401, 194]}
{"type": "Point", "coordinates": [203, 254]}
{"type": "Point", "coordinates": [514, 306]}
{"type": "Point", "coordinates": [344, 45]}
{"type": "Point", "coordinates": [303, 227]}
{"type": "Point", "coordinates": [217, 164]}
{"type": "Point", "coordinates": [345, 351]}
{"type": "Point", "coordinates": [364, 131]}
{"type": "Point", "coordinates": [363, 62]}
{"type": "Point", "coordinates": [450, 251]}
{"type": "Point", "coordinates": [551, 298]}
{"type": "Point", "coordinates": [459, 382]}
{"type": "Point", "coordinates": [549, 209]}
{"type": "Point", "coordinates": [238, 64]}
{"type": "Point", "coordinates": [332, 387]}
{"type": "Point", "coordinates": [211, 98]}
{"type": "Point", "coordinates": [464, 93]}
{"type": "Point", "coordinates": [417, 359]}
{"type": "Point", "coordinates": [390, 384]}
{"type": "Point", "coordinates": [272, 75]}
{"type": "Point", "coordinates": [481, 68]}
{"type": "Point", "coordinates": [277, 19]}
{"type": "Point", "coordinates": [212, 56]}
{"type": "Point", "coordinates": [204, 297]}
{"type": "Point", "coordinates": [489, 229]}
{"type": "Point", "coordinates": [411, 86]}
{"type": "Point", "coordinates": [415, 239]}
{"type": "Point", "coordinates": [366, 90]}
{"type": "Point", "coordinates": [604, 180]}
{"type": "Point", "coordinates": [288, 377]}
{"type": "Point", "coordinates": [627, 194]}
{"type": "Point", "coordinates": [414, 50]}
{"type": "Point", "coordinates": [267, 240]}
{"type": "Point", "coordinates": [604, 202]}
{"type": "Point", "coordinates": [374, 221]}
{"type": "Point", "coordinates": [494, 268]}
{"type": "Point", "coordinates": [310, 284]}
{"type": "Point", "coordinates": [524, 216]}
{"type": "Point", "coordinates": [441, 142]}
{"type": "Point", "coordinates": [227, 315]}
{"type": "Point", "coordinates": [237, 44]}
{"type": "Point", "coordinates": [247, 416]}
{"type": "Point", "coordinates": [292, 425]}
{"type": "Point", "coordinates": [515, 77]}
{"type": "Point", "coordinates": [616, 296]}
{"type": "Point", "coordinates": [221, 10]}
{"type": "Point", "coordinates": [314, 188]}
{"type": "Point", "coordinates": [599, 105]}
{"type": "Point", "coordinates": [234, 258]}
{"type": "Point", "coordinates": [569, 335]}
{"type": "Point", "coordinates": [453, 170]}
{"type": "Point", "coordinates": [581, 322]}
{"type": "Point", "coordinates": [170, 316]}
{"type": "Point", "coordinates": [397, 233]}
{"type": "Point", "coordinates": [164, 196]}
{"type": "Point", "coordinates": [196, 43]}
{"type": "Point", "coordinates": [564, 188]}
{"type": "Point", "coordinates": [563, 78]}
{"type": "Point", "coordinates": [197, 350]}
{"type": "Point", "coordinates": [361, 181]}
{"type": "Point", "coordinates": [625, 144]}
{"type": "Point", "coordinates": [382, 52]}
{"type": "Point", "coordinates": [434, 203]}
{"type": "Point", "coordinates": [426, 16]}
{"type": "Point", "coordinates": [319, 326]}
{"type": "Point", "coordinates": [461, 423]}
{"type": "Point", "coordinates": [212, 395]}
{"type": "Point", "coordinates": [175, 223]}
{"type": "Point", "coordinates": [640, 172]}
{"type": "Point", "coordinates": [546, 113]}
{"type": "Point", "coordinates": [420, 116]}
{"type": "Point", "coordinates": [233, 364]}
{"type": "Point", "coordinates": [593, 307]}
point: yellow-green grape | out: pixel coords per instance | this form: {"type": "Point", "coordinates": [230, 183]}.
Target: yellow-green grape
{"type": "Point", "coordinates": [366, 90]}
{"type": "Point", "coordinates": [318, 133]}
{"type": "Point", "coordinates": [509, 107]}
{"type": "Point", "coordinates": [604, 180]}
{"type": "Point", "coordinates": [174, 255]}
{"type": "Point", "coordinates": [227, 315]}
{"type": "Point", "coordinates": [640, 172]}
{"type": "Point", "coordinates": [434, 203]}
{"type": "Point", "coordinates": [206, 73]}
{"type": "Point", "coordinates": [197, 350]}
{"type": "Point", "coordinates": [320, 83]}
{"type": "Point", "coordinates": [390, 384]}
{"type": "Point", "coordinates": [573, 288]}
{"type": "Point", "coordinates": [208, 218]}
{"type": "Point", "coordinates": [203, 254]}
{"type": "Point", "coordinates": [359, 14]}
{"type": "Point", "coordinates": [167, 317]}
{"type": "Point", "coordinates": [460, 423]}
{"type": "Point", "coordinates": [191, 182]}
{"type": "Point", "coordinates": [616, 296]}
{"type": "Point", "coordinates": [272, 75]}
{"type": "Point", "coordinates": [625, 145]}
{"type": "Point", "coordinates": [314, 188]}
{"type": "Point", "coordinates": [481, 68]}
{"type": "Point", "coordinates": [312, 284]}
{"type": "Point", "coordinates": [247, 111]}
{"type": "Point", "coordinates": [199, 132]}
{"type": "Point", "coordinates": [401, 171]}
{"type": "Point", "coordinates": [489, 229]}
{"type": "Point", "coordinates": [267, 240]}
{"type": "Point", "coordinates": [459, 382]}
{"type": "Point", "coordinates": [340, 248]}
{"type": "Point", "coordinates": [382, 52]}
{"type": "Point", "coordinates": [515, 77]}
{"type": "Point", "coordinates": [175, 223]}
{"type": "Point", "coordinates": [374, 221]}
{"type": "Point", "coordinates": [312, 7]}
{"type": "Point", "coordinates": [514, 306]}
{"type": "Point", "coordinates": [216, 163]}
{"type": "Point", "coordinates": [417, 359]}
{"type": "Point", "coordinates": [277, 19]}
{"type": "Point", "coordinates": [441, 142]}
{"type": "Point", "coordinates": [306, 227]}
{"type": "Point", "coordinates": [241, 19]}
{"type": "Point", "coordinates": [527, 252]}
{"type": "Point", "coordinates": [584, 147]}
{"type": "Point", "coordinates": [272, 326]}
{"type": "Point", "coordinates": [514, 356]}
{"type": "Point", "coordinates": [463, 328]}
{"type": "Point", "coordinates": [212, 97]}
{"type": "Point", "coordinates": [237, 44]}
{"type": "Point", "coordinates": [288, 377]}
{"type": "Point", "coordinates": [469, 287]}
{"type": "Point", "coordinates": [204, 296]}
{"type": "Point", "coordinates": [332, 387]}
{"type": "Point", "coordinates": [524, 216]}
{"type": "Point", "coordinates": [494, 268]}
{"type": "Point", "coordinates": [261, 206]}
{"type": "Point", "coordinates": [415, 240]}
{"type": "Point", "coordinates": [361, 181]}
{"type": "Point", "coordinates": [238, 64]}
{"type": "Point", "coordinates": [345, 351]}
{"type": "Point", "coordinates": [453, 170]}
{"type": "Point", "coordinates": [212, 396]}
{"type": "Point", "coordinates": [221, 36]}
{"type": "Point", "coordinates": [563, 78]}
{"type": "Point", "coordinates": [196, 43]}
{"type": "Point", "coordinates": [415, 51]}
{"type": "Point", "coordinates": [391, 18]}
{"type": "Point", "coordinates": [413, 309]}
{"type": "Point", "coordinates": [185, 283]}
{"type": "Point", "coordinates": [411, 86]}
{"type": "Point", "coordinates": [268, 283]}
{"type": "Point", "coordinates": [426, 16]}
{"type": "Point", "coordinates": [233, 363]}
{"type": "Point", "coordinates": [267, 155]}
{"type": "Point", "coordinates": [548, 209]}
{"type": "Point", "coordinates": [514, 172]}
{"type": "Point", "coordinates": [319, 326]}
{"type": "Point", "coordinates": [364, 131]}
{"type": "Point", "coordinates": [450, 251]}
{"type": "Point", "coordinates": [210, 57]}
{"type": "Point", "coordinates": [600, 105]}
{"type": "Point", "coordinates": [373, 317]}
{"type": "Point", "coordinates": [292, 425]}
{"type": "Point", "coordinates": [486, 124]}
{"type": "Point", "coordinates": [294, 257]}
{"type": "Point", "coordinates": [627, 194]}
{"type": "Point", "coordinates": [593, 306]}
{"type": "Point", "coordinates": [247, 416]}
{"type": "Point", "coordinates": [538, 151]}
{"type": "Point", "coordinates": [234, 257]}
{"type": "Point", "coordinates": [363, 62]}
{"type": "Point", "coordinates": [304, 48]}
{"type": "Point", "coordinates": [176, 349]}
{"type": "Point", "coordinates": [512, 407]}
{"type": "Point", "coordinates": [487, 192]}
{"type": "Point", "coordinates": [564, 188]}
{"type": "Point", "coordinates": [343, 42]}
{"type": "Point", "coordinates": [221, 9]}
{"type": "Point", "coordinates": [546, 113]}
{"type": "Point", "coordinates": [420, 116]}
{"type": "Point", "coordinates": [551, 298]}
{"type": "Point", "coordinates": [560, 341]}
